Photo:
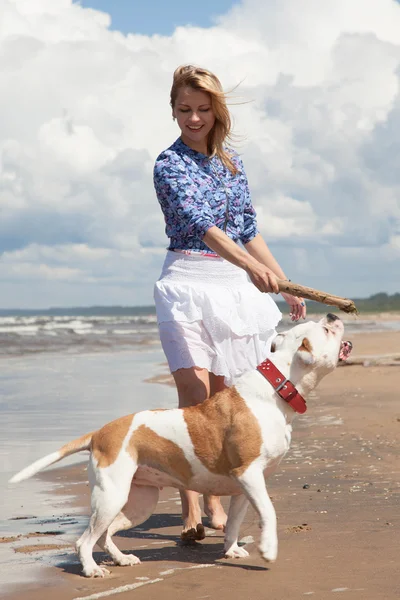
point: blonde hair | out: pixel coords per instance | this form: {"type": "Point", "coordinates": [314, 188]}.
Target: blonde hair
{"type": "Point", "coordinates": [205, 81]}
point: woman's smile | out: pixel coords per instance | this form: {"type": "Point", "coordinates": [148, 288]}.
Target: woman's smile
{"type": "Point", "coordinates": [195, 127]}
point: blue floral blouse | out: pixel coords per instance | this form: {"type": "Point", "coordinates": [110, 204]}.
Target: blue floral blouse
{"type": "Point", "coordinates": [196, 192]}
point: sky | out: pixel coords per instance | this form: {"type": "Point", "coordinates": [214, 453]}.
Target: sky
{"type": "Point", "coordinates": [84, 112]}
{"type": "Point", "coordinates": [159, 17]}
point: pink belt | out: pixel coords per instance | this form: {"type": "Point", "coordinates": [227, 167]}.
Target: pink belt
{"type": "Point", "coordinates": [198, 252]}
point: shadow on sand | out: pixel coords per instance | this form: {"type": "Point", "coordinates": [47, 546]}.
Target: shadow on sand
{"type": "Point", "coordinates": [194, 553]}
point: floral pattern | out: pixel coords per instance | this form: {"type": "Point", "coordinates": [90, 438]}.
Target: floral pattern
{"type": "Point", "coordinates": [194, 192]}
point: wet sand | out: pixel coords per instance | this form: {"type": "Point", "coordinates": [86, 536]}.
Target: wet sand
{"type": "Point", "coordinates": [337, 497]}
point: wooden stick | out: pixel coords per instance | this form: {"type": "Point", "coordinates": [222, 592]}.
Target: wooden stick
{"type": "Point", "coordinates": [295, 289]}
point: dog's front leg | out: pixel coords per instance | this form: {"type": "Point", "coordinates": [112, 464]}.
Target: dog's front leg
{"type": "Point", "coordinates": [253, 485]}
{"type": "Point", "coordinates": [237, 511]}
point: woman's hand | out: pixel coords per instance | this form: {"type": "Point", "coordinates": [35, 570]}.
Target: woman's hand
{"type": "Point", "coordinates": [266, 281]}
{"type": "Point", "coordinates": [297, 306]}
{"type": "Point", "coordinates": [262, 277]}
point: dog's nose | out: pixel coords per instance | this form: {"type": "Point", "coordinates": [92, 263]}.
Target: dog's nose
{"type": "Point", "coordinates": [330, 317]}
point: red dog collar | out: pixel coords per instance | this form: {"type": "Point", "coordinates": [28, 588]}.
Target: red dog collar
{"type": "Point", "coordinates": [282, 386]}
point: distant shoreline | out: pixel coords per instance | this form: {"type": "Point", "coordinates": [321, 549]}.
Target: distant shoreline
{"type": "Point", "coordinates": [377, 304]}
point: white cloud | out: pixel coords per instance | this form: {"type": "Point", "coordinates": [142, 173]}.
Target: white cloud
{"type": "Point", "coordinates": [84, 112]}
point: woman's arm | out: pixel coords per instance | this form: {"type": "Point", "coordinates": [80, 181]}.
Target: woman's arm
{"type": "Point", "coordinates": [260, 274]}
{"type": "Point", "coordinates": [182, 202]}
{"type": "Point", "coordinates": [259, 250]}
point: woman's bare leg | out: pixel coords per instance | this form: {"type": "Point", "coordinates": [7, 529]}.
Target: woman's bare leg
{"type": "Point", "coordinates": [212, 504]}
{"type": "Point", "coordinates": [195, 385]}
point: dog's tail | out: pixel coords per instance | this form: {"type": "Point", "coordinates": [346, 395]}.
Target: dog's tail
{"type": "Point", "coordinates": [82, 443]}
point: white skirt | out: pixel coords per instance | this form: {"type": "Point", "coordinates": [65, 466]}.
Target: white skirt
{"type": "Point", "coordinates": [211, 316]}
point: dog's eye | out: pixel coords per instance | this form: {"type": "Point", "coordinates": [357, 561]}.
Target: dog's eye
{"type": "Point", "coordinates": [329, 331]}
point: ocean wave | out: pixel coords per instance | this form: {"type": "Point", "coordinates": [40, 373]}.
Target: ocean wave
{"type": "Point", "coordinates": [62, 321]}
{"type": "Point", "coordinates": [21, 329]}
{"type": "Point", "coordinates": [134, 331]}
{"type": "Point", "coordinates": [27, 334]}
{"type": "Point", "coordinates": [21, 335]}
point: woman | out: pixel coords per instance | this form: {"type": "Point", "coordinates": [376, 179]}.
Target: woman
{"type": "Point", "coordinates": [214, 323]}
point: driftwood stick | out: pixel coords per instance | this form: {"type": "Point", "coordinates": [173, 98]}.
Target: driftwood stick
{"type": "Point", "coordinates": [295, 289]}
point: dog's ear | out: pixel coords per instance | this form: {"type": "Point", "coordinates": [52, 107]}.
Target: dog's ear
{"type": "Point", "coordinates": [304, 352]}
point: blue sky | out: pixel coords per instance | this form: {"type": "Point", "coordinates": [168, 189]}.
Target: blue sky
{"type": "Point", "coordinates": [159, 16]}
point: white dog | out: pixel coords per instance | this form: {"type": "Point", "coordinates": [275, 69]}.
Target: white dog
{"type": "Point", "coordinates": [225, 446]}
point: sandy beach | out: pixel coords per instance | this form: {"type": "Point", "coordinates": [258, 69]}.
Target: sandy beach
{"type": "Point", "coordinates": [336, 494]}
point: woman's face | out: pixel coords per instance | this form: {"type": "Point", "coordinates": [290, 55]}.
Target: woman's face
{"type": "Point", "coordinates": [195, 117]}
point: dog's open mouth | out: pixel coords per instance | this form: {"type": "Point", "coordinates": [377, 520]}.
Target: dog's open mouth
{"type": "Point", "coordinates": [345, 350]}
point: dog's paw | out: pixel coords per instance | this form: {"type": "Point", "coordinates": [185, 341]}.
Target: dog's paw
{"type": "Point", "coordinates": [127, 560]}
{"type": "Point", "coordinates": [236, 551]}
{"type": "Point", "coordinates": [269, 552]}
{"type": "Point", "coordinates": [268, 545]}
{"type": "Point", "coordinates": [96, 571]}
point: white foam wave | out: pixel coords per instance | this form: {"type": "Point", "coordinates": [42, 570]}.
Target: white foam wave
{"type": "Point", "coordinates": [76, 324]}
{"type": "Point", "coordinates": [7, 320]}
{"type": "Point", "coordinates": [125, 331]}
{"type": "Point", "coordinates": [21, 329]}
{"type": "Point", "coordinates": [99, 332]}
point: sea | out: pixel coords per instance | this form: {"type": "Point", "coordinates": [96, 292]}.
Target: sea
{"type": "Point", "coordinates": [64, 372]}
{"type": "Point", "coordinates": [96, 330]}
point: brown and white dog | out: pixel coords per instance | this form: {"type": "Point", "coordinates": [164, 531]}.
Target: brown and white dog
{"type": "Point", "coordinates": [225, 446]}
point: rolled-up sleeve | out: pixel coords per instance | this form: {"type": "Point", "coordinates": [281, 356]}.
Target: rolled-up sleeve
{"type": "Point", "coordinates": [182, 202]}
{"type": "Point", "coordinates": [250, 229]}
